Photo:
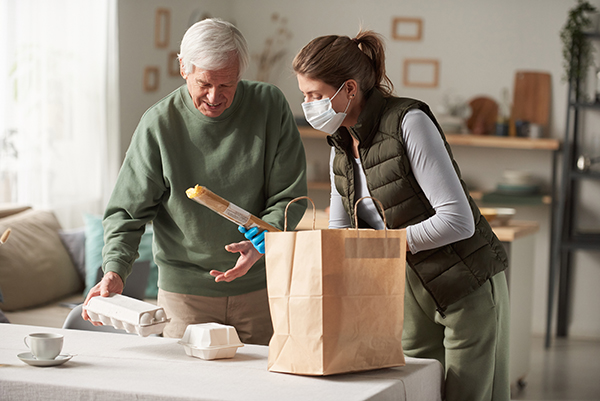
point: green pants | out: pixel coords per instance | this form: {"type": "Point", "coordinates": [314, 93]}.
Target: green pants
{"type": "Point", "coordinates": [471, 342]}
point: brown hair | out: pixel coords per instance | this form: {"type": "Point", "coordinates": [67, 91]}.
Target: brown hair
{"type": "Point", "coordinates": [335, 59]}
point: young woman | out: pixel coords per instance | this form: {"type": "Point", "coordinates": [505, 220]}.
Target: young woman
{"type": "Point", "coordinates": [392, 148]}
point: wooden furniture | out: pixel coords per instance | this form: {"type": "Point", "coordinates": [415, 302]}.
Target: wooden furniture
{"type": "Point", "coordinates": [518, 239]}
{"type": "Point", "coordinates": [113, 367]}
{"type": "Point", "coordinates": [567, 237]}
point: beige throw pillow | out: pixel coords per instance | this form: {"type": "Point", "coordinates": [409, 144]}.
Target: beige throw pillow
{"type": "Point", "coordinates": [35, 267]}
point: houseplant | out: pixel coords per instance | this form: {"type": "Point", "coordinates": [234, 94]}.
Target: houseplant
{"type": "Point", "coordinates": [577, 51]}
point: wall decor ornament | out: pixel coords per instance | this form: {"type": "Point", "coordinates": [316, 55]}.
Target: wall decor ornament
{"type": "Point", "coordinates": [162, 27]}
{"type": "Point", "coordinates": [173, 64]}
{"type": "Point", "coordinates": [421, 73]}
{"type": "Point", "coordinates": [404, 28]}
{"type": "Point", "coordinates": [275, 49]}
{"type": "Point", "coordinates": [151, 78]}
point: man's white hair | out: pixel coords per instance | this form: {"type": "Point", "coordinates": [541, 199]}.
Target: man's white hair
{"type": "Point", "coordinates": [209, 45]}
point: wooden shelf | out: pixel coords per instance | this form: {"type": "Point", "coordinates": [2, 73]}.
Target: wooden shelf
{"type": "Point", "coordinates": [514, 230]}
{"type": "Point", "coordinates": [515, 200]}
{"type": "Point", "coordinates": [489, 141]}
{"type": "Point", "coordinates": [319, 185]}
{"type": "Point", "coordinates": [484, 141]}
{"type": "Point", "coordinates": [309, 132]}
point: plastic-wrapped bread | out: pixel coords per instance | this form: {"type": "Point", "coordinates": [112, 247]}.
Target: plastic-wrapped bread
{"type": "Point", "coordinates": [227, 209]}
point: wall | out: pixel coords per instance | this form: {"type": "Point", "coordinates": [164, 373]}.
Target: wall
{"type": "Point", "coordinates": [480, 45]}
{"type": "Point", "coordinates": [136, 20]}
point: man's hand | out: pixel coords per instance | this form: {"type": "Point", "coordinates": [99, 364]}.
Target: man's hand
{"type": "Point", "coordinates": [248, 256]}
{"type": "Point", "coordinates": [111, 283]}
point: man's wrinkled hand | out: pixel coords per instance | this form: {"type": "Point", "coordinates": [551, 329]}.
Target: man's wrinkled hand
{"type": "Point", "coordinates": [111, 283]}
{"type": "Point", "coordinates": [248, 256]}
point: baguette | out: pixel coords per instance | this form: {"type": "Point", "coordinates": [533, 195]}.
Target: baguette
{"type": "Point", "coordinates": [227, 209]}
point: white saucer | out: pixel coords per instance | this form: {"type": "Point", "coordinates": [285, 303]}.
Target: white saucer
{"type": "Point", "coordinates": [28, 358]}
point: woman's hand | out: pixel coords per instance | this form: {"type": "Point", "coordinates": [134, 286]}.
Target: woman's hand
{"type": "Point", "coordinates": [111, 283]}
{"type": "Point", "coordinates": [248, 256]}
{"type": "Point", "coordinates": [255, 236]}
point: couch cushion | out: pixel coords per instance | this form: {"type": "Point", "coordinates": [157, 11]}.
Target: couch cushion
{"type": "Point", "coordinates": [94, 242]}
{"type": "Point", "coordinates": [74, 242]}
{"type": "Point", "coordinates": [35, 267]}
{"type": "Point", "coordinates": [8, 209]}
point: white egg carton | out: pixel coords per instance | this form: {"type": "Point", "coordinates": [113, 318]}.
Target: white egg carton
{"type": "Point", "coordinates": [210, 341]}
{"type": "Point", "coordinates": [129, 314]}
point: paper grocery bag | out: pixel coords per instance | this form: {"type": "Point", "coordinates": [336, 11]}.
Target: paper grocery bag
{"type": "Point", "coordinates": [336, 299]}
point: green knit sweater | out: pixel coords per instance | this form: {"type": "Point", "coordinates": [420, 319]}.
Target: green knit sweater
{"type": "Point", "coordinates": [251, 155]}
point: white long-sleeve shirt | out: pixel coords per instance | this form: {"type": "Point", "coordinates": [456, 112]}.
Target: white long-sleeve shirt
{"type": "Point", "coordinates": [433, 170]}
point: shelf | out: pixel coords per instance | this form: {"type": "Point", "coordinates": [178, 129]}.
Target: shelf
{"type": "Point", "coordinates": [309, 132]}
{"type": "Point", "coordinates": [319, 185]}
{"type": "Point", "coordinates": [514, 230]}
{"type": "Point", "coordinates": [582, 175]}
{"type": "Point", "coordinates": [485, 141]}
{"type": "Point", "coordinates": [590, 241]}
{"type": "Point", "coordinates": [586, 105]}
{"type": "Point", "coordinates": [504, 199]}
{"type": "Point", "coordinates": [490, 141]}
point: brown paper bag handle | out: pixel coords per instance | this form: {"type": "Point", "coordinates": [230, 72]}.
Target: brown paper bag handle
{"type": "Point", "coordinates": [295, 200]}
{"type": "Point", "coordinates": [378, 203]}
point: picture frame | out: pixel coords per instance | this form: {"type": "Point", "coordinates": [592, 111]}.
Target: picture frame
{"type": "Point", "coordinates": [151, 78]}
{"type": "Point", "coordinates": [406, 28]}
{"type": "Point", "coordinates": [162, 27]}
{"type": "Point", "coordinates": [173, 68]}
{"type": "Point", "coordinates": [421, 73]}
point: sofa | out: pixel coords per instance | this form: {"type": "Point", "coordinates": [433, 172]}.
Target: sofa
{"type": "Point", "coordinates": [45, 270]}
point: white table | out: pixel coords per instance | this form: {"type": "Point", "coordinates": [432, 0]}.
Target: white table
{"type": "Point", "coordinates": [110, 366]}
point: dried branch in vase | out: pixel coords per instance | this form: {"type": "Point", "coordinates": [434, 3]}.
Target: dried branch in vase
{"type": "Point", "coordinates": [274, 50]}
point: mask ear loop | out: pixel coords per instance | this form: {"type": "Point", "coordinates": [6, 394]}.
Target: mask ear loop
{"type": "Point", "coordinates": [348, 105]}
{"type": "Point", "coordinates": [338, 91]}
{"type": "Point", "coordinates": [351, 97]}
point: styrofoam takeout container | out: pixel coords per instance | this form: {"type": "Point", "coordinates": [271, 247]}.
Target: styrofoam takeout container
{"type": "Point", "coordinates": [210, 341]}
{"type": "Point", "coordinates": [129, 314]}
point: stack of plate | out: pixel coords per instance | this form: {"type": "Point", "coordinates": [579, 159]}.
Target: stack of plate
{"type": "Point", "coordinates": [519, 183]}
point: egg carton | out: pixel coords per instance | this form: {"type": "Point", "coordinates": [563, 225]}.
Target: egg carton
{"type": "Point", "coordinates": [210, 341]}
{"type": "Point", "coordinates": [129, 314]}
{"type": "Point", "coordinates": [224, 352]}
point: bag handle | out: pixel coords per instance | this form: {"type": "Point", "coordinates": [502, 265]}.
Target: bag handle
{"type": "Point", "coordinates": [377, 203]}
{"type": "Point", "coordinates": [295, 200]}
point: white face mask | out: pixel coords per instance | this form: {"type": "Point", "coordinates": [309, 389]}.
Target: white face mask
{"type": "Point", "coordinates": [321, 116]}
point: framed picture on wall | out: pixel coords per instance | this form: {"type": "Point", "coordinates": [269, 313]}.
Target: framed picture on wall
{"type": "Point", "coordinates": [151, 78]}
{"type": "Point", "coordinates": [421, 73]}
{"type": "Point", "coordinates": [173, 64]}
{"type": "Point", "coordinates": [404, 28]}
{"type": "Point", "coordinates": [162, 27]}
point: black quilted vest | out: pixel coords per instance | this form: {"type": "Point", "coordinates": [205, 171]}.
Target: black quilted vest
{"type": "Point", "coordinates": [450, 272]}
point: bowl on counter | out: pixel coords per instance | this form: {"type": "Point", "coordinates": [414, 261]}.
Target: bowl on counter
{"type": "Point", "coordinates": [500, 216]}
{"type": "Point", "coordinates": [504, 215]}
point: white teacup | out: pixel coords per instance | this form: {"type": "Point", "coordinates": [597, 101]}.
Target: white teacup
{"type": "Point", "coordinates": [44, 346]}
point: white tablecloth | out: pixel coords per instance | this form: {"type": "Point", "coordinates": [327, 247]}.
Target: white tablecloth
{"type": "Point", "coordinates": [109, 366]}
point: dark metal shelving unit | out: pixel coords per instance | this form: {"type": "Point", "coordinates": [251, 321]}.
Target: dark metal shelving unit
{"type": "Point", "coordinates": [566, 238]}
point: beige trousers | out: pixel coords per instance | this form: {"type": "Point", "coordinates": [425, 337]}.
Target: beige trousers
{"type": "Point", "coordinates": [248, 313]}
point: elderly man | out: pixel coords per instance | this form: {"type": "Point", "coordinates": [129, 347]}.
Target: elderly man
{"type": "Point", "coordinates": [235, 137]}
